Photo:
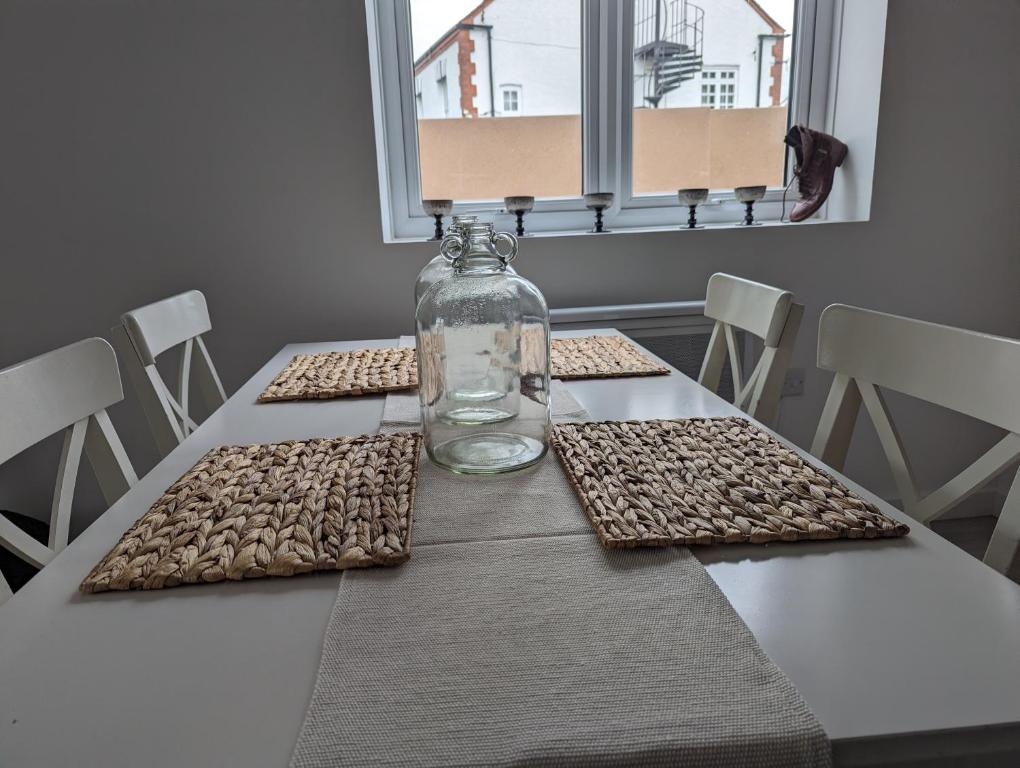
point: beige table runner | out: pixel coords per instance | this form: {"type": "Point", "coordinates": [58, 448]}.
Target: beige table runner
{"type": "Point", "coordinates": [512, 638]}
{"type": "Point", "coordinates": [495, 510]}
{"type": "Point", "coordinates": [548, 651]}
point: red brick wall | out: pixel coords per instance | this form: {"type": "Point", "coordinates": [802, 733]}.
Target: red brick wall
{"type": "Point", "coordinates": [466, 69]}
{"type": "Point", "coordinates": [776, 70]}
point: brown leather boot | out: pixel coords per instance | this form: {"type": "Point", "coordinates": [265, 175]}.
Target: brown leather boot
{"type": "Point", "coordinates": [818, 157]}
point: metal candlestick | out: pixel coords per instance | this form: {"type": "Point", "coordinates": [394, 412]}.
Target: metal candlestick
{"type": "Point", "coordinates": [692, 198]}
{"type": "Point", "coordinates": [437, 209]}
{"type": "Point", "coordinates": [598, 202]}
{"type": "Point", "coordinates": [748, 196]}
{"type": "Point", "coordinates": [519, 205]}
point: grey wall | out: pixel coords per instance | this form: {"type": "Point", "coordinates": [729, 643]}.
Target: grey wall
{"type": "Point", "coordinates": [227, 145]}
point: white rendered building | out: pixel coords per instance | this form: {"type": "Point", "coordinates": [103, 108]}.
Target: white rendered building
{"type": "Point", "coordinates": [523, 58]}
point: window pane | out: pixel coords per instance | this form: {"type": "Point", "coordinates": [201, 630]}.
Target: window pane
{"type": "Point", "coordinates": [711, 93]}
{"type": "Point", "coordinates": [499, 105]}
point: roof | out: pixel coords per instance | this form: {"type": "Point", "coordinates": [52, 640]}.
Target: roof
{"type": "Point", "coordinates": [449, 36]}
{"type": "Point", "coordinates": [777, 28]}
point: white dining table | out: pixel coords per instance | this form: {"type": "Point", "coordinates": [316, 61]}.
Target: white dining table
{"type": "Point", "coordinates": [905, 649]}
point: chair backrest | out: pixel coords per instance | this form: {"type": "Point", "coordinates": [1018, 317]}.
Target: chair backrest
{"type": "Point", "coordinates": [766, 312]}
{"type": "Point", "coordinates": [68, 389]}
{"type": "Point", "coordinates": [964, 371]}
{"type": "Point", "coordinates": [148, 332]}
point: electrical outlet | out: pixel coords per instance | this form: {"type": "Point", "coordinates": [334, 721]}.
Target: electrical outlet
{"type": "Point", "coordinates": [793, 386]}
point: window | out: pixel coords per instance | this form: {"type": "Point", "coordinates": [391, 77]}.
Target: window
{"type": "Point", "coordinates": [635, 97]}
{"type": "Point", "coordinates": [511, 99]}
{"type": "Point", "coordinates": [719, 88]}
{"type": "Point", "coordinates": [482, 54]}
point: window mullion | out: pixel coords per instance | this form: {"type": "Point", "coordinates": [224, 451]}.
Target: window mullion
{"type": "Point", "coordinates": [623, 34]}
{"type": "Point", "coordinates": [405, 70]}
{"type": "Point", "coordinates": [592, 136]}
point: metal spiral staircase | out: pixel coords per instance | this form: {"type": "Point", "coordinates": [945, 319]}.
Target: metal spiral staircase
{"type": "Point", "coordinates": [668, 38]}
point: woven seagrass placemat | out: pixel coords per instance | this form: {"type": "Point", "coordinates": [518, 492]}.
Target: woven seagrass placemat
{"type": "Point", "coordinates": [336, 374]}
{"type": "Point", "coordinates": [706, 481]}
{"type": "Point", "coordinates": [599, 357]}
{"type": "Point", "coordinates": [278, 509]}
{"type": "Point", "coordinates": [325, 375]}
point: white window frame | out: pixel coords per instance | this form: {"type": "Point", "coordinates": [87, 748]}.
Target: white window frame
{"type": "Point", "coordinates": [518, 91]}
{"type": "Point", "coordinates": [717, 80]}
{"type": "Point", "coordinates": [607, 98]}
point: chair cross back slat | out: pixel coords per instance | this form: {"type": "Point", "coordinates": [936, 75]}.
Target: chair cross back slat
{"type": "Point", "coordinates": [68, 389]}
{"type": "Point", "coordinates": [147, 332]}
{"type": "Point", "coordinates": [872, 350]}
{"type": "Point", "coordinates": [766, 312]}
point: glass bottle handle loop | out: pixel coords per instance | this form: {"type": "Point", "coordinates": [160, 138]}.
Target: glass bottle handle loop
{"type": "Point", "coordinates": [453, 246]}
{"type": "Point", "coordinates": [505, 237]}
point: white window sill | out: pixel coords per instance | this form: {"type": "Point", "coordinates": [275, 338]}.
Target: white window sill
{"type": "Point", "coordinates": [505, 223]}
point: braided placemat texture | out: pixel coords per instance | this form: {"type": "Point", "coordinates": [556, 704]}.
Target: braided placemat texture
{"type": "Point", "coordinates": [325, 375]}
{"type": "Point", "coordinates": [337, 374]}
{"type": "Point", "coordinates": [599, 357]}
{"type": "Point", "coordinates": [706, 481]}
{"type": "Point", "coordinates": [278, 509]}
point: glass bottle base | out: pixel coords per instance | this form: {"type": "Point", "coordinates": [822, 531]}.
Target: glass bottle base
{"type": "Point", "coordinates": [487, 453]}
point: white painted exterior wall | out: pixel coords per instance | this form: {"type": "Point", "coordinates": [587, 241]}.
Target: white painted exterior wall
{"type": "Point", "coordinates": [429, 88]}
{"type": "Point", "coordinates": [536, 47]}
{"type": "Point", "coordinates": [731, 30]}
{"type": "Point", "coordinates": [536, 44]}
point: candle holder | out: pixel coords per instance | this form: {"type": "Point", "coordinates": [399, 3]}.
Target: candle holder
{"type": "Point", "coordinates": [748, 196]}
{"type": "Point", "coordinates": [438, 209]}
{"type": "Point", "coordinates": [598, 202]}
{"type": "Point", "coordinates": [692, 198]}
{"type": "Point", "coordinates": [519, 206]}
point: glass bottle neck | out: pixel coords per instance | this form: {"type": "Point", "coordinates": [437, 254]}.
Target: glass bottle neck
{"type": "Point", "coordinates": [480, 257]}
{"type": "Point", "coordinates": [475, 249]}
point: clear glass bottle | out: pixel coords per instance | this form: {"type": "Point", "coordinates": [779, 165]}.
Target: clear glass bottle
{"type": "Point", "coordinates": [483, 358]}
{"type": "Point", "coordinates": [440, 266]}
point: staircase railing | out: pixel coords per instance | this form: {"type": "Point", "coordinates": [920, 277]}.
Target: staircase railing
{"type": "Point", "coordinates": [669, 37]}
{"type": "Point", "coordinates": [668, 21]}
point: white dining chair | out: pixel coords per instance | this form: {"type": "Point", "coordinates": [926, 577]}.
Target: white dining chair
{"type": "Point", "coordinates": [972, 373]}
{"type": "Point", "coordinates": [763, 311]}
{"type": "Point", "coordinates": [146, 333]}
{"type": "Point", "coordinates": [68, 389]}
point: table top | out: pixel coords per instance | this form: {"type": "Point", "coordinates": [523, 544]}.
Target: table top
{"type": "Point", "coordinates": [903, 648]}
